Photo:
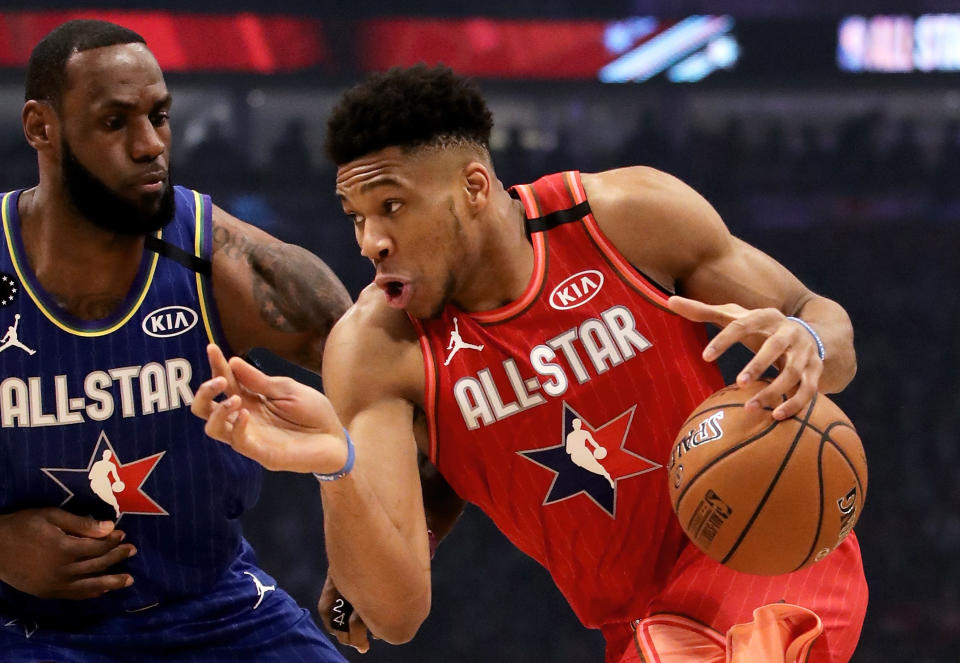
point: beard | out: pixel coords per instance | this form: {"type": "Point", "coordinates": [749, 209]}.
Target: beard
{"type": "Point", "coordinates": [98, 203]}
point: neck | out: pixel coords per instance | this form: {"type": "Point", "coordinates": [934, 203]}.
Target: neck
{"type": "Point", "coordinates": [86, 269]}
{"type": "Point", "coordinates": [503, 267]}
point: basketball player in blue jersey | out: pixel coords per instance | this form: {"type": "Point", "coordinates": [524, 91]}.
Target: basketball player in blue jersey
{"type": "Point", "coordinates": [119, 520]}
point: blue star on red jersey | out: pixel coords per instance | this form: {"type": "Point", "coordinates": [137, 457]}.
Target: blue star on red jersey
{"type": "Point", "coordinates": [128, 493]}
{"type": "Point", "coordinates": [582, 469]}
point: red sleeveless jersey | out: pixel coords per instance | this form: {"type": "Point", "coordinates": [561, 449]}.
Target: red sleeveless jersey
{"type": "Point", "coordinates": [555, 414]}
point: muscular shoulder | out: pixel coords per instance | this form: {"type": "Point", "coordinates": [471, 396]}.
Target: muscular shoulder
{"type": "Point", "coordinates": [373, 354]}
{"type": "Point", "coordinates": [660, 224]}
{"type": "Point", "coordinates": [272, 294]}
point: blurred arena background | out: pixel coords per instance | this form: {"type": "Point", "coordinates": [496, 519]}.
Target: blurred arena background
{"type": "Point", "coordinates": [825, 132]}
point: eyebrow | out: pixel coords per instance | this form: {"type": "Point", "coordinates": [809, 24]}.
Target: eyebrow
{"type": "Point", "coordinates": [385, 180]}
{"type": "Point", "coordinates": [380, 181]}
{"type": "Point", "coordinates": [131, 105]}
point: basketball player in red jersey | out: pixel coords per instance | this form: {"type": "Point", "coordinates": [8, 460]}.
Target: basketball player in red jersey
{"type": "Point", "coordinates": [557, 297]}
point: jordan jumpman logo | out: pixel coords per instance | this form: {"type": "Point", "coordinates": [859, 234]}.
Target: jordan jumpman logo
{"type": "Point", "coordinates": [10, 338]}
{"type": "Point", "coordinates": [261, 589]}
{"type": "Point", "coordinates": [456, 343]}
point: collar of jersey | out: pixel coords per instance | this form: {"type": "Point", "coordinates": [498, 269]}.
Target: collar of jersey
{"type": "Point", "coordinates": [62, 319]}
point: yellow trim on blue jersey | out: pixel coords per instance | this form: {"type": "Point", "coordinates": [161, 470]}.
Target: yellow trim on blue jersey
{"type": "Point", "coordinates": [51, 315]}
{"type": "Point", "coordinates": [198, 250]}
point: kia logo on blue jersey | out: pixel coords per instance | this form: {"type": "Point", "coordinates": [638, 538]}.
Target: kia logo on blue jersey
{"type": "Point", "coordinates": [169, 321]}
{"type": "Point", "coordinates": [576, 290]}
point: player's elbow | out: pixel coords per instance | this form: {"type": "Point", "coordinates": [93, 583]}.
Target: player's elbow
{"type": "Point", "coordinates": [839, 369]}
{"type": "Point", "coordinates": [398, 626]}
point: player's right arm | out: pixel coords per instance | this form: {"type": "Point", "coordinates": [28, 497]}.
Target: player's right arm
{"type": "Point", "coordinates": [52, 554]}
{"type": "Point", "coordinates": [374, 520]}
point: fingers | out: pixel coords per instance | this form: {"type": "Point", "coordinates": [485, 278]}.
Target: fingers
{"type": "Point", "coordinates": [786, 382]}
{"type": "Point", "coordinates": [231, 424]}
{"type": "Point", "coordinates": [221, 417]}
{"type": "Point", "coordinates": [203, 400]}
{"type": "Point", "coordinates": [334, 610]}
{"type": "Point", "coordinates": [771, 350]}
{"type": "Point", "coordinates": [81, 548]}
{"type": "Point", "coordinates": [88, 588]}
{"type": "Point", "coordinates": [776, 341]}
{"type": "Point", "coordinates": [220, 367]}
{"type": "Point", "coordinates": [691, 309]}
{"type": "Point", "coordinates": [79, 525]}
{"type": "Point", "coordinates": [328, 594]}
{"type": "Point", "coordinates": [97, 565]}
{"type": "Point", "coordinates": [799, 372]}
{"type": "Point", "coordinates": [244, 442]}
{"type": "Point", "coordinates": [748, 327]}
{"type": "Point", "coordinates": [252, 378]}
{"type": "Point", "coordinates": [222, 382]}
{"type": "Point", "coordinates": [358, 634]}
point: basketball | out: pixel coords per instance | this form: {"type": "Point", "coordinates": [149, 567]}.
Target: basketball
{"type": "Point", "coordinates": [118, 486]}
{"type": "Point", "coordinates": [764, 496]}
{"type": "Point", "coordinates": [599, 453]}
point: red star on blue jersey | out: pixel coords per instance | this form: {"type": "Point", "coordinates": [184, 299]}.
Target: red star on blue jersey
{"type": "Point", "coordinates": [108, 488]}
{"type": "Point", "coordinates": [590, 460]}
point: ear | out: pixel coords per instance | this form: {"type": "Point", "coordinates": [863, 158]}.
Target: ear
{"type": "Point", "coordinates": [41, 126]}
{"type": "Point", "coordinates": [478, 181]}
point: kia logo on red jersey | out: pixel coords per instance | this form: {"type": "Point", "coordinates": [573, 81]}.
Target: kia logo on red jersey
{"type": "Point", "coordinates": [169, 321]}
{"type": "Point", "coordinates": [576, 290]}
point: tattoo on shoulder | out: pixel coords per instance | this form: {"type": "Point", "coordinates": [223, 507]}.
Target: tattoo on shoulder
{"type": "Point", "coordinates": [294, 290]}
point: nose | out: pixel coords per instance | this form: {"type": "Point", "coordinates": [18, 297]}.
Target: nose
{"type": "Point", "coordinates": [146, 141]}
{"type": "Point", "coordinates": [375, 244]}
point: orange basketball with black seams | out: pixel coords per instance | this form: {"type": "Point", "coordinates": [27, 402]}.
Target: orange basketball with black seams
{"type": "Point", "coordinates": [764, 496]}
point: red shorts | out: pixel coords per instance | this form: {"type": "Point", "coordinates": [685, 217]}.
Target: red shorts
{"type": "Point", "coordinates": [702, 600]}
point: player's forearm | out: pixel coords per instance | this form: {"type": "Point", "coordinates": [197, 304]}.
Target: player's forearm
{"type": "Point", "coordinates": [382, 571]}
{"type": "Point", "coordinates": [440, 502]}
{"type": "Point", "coordinates": [833, 325]}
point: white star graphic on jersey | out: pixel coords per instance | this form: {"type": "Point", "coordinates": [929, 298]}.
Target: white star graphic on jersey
{"type": "Point", "coordinates": [8, 289]}
{"type": "Point", "coordinates": [29, 628]}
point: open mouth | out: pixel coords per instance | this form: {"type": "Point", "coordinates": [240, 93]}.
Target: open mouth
{"type": "Point", "coordinates": [397, 291]}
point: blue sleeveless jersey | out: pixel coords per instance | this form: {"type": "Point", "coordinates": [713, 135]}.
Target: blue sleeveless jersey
{"type": "Point", "coordinates": [96, 419]}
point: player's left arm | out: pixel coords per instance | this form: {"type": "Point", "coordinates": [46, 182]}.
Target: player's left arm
{"type": "Point", "coordinates": [443, 507]}
{"type": "Point", "coordinates": [271, 294]}
{"type": "Point", "coordinates": [673, 235]}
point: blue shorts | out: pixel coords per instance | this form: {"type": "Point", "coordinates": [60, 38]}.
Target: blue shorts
{"type": "Point", "coordinates": [243, 617]}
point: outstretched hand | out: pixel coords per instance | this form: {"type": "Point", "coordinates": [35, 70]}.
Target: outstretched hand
{"type": "Point", "coordinates": [776, 341]}
{"type": "Point", "coordinates": [277, 421]}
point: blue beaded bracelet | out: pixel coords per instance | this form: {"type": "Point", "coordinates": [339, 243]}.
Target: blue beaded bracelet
{"type": "Point", "coordinates": [816, 337]}
{"type": "Point", "coordinates": [345, 470]}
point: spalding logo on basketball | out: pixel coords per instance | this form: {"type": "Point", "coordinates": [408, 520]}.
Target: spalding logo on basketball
{"type": "Point", "coordinates": [765, 496]}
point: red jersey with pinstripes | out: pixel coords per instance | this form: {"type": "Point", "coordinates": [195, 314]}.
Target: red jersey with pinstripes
{"type": "Point", "coordinates": [556, 413]}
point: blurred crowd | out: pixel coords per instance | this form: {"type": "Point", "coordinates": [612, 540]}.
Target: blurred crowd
{"type": "Point", "coordinates": [872, 223]}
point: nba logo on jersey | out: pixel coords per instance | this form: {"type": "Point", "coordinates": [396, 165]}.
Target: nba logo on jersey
{"type": "Point", "coordinates": [590, 460]}
{"type": "Point", "coordinates": [108, 488]}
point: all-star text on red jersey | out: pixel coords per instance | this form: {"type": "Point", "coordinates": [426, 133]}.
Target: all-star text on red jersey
{"type": "Point", "coordinates": [590, 348]}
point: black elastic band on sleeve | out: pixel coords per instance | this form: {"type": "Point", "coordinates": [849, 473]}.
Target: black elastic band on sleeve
{"type": "Point", "coordinates": [559, 217]}
{"type": "Point", "coordinates": [175, 253]}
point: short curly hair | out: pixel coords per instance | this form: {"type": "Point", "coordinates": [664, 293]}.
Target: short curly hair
{"type": "Point", "coordinates": [409, 108]}
{"type": "Point", "coordinates": [47, 68]}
